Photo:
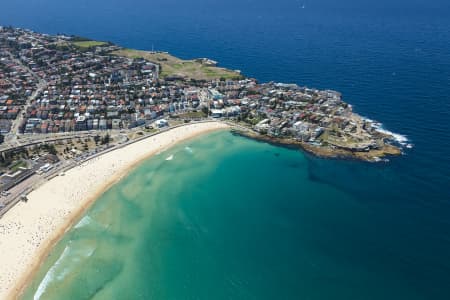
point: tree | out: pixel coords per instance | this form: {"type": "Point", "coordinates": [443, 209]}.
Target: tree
{"type": "Point", "coordinates": [205, 110]}
{"type": "Point", "coordinates": [50, 148]}
{"type": "Point", "coordinates": [106, 139]}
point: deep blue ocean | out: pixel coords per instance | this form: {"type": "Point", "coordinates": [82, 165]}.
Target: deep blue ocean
{"type": "Point", "coordinates": [391, 61]}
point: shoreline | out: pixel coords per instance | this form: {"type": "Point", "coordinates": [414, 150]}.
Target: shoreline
{"type": "Point", "coordinates": [29, 231]}
{"type": "Point", "coordinates": [373, 155]}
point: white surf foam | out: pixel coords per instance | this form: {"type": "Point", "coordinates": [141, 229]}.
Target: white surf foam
{"type": "Point", "coordinates": [169, 157]}
{"type": "Point", "coordinates": [399, 138]}
{"type": "Point", "coordinates": [62, 267]}
{"type": "Point", "coordinates": [83, 222]}
{"type": "Point", "coordinates": [50, 276]}
{"type": "Point", "coordinates": [75, 257]}
{"type": "Point", "coordinates": [368, 120]}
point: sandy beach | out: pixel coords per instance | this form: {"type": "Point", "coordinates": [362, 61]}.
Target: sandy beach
{"type": "Point", "coordinates": [29, 230]}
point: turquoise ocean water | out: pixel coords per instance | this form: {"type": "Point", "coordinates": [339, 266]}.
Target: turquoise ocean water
{"type": "Point", "coordinates": [253, 224]}
{"type": "Point", "coordinates": [227, 218]}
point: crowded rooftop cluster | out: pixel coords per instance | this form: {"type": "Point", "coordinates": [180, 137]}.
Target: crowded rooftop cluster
{"type": "Point", "coordinates": [16, 84]}
{"type": "Point", "coordinates": [57, 83]}
{"type": "Point", "coordinates": [82, 88]}
{"type": "Point", "coordinates": [289, 111]}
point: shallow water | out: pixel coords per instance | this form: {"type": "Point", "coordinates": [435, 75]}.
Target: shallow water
{"type": "Point", "coordinates": [247, 220]}
{"type": "Point", "coordinates": [357, 230]}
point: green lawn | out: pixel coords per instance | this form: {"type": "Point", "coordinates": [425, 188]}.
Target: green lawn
{"type": "Point", "coordinates": [174, 66]}
{"type": "Point", "coordinates": [15, 166]}
{"type": "Point", "coordinates": [88, 44]}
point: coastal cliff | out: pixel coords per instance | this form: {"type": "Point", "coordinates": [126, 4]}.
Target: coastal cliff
{"type": "Point", "coordinates": [372, 155]}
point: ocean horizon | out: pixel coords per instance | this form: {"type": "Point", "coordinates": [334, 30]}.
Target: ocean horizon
{"type": "Point", "coordinates": [241, 219]}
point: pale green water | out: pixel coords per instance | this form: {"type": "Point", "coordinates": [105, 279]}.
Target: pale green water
{"type": "Point", "coordinates": [230, 218]}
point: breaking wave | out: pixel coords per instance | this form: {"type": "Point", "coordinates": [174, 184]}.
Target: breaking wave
{"type": "Point", "coordinates": [50, 276]}
{"type": "Point", "coordinates": [84, 222]}
{"type": "Point", "coordinates": [399, 138]}
{"type": "Point", "coordinates": [61, 268]}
